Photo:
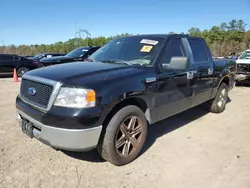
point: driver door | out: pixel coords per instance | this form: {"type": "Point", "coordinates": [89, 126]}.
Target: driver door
{"type": "Point", "coordinates": [174, 91]}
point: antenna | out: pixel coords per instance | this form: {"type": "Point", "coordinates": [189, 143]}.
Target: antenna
{"type": "Point", "coordinates": [79, 35]}
{"type": "Point", "coordinates": [2, 43]}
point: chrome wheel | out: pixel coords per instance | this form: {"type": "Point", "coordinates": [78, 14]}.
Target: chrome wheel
{"type": "Point", "coordinates": [222, 98]}
{"type": "Point", "coordinates": [128, 136]}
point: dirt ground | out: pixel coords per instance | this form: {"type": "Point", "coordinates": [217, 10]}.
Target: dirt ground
{"type": "Point", "coordinates": [194, 149]}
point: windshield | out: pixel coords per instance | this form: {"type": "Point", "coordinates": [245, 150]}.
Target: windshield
{"type": "Point", "coordinates": [135, 50]}
{"type": "Point", "coordinates": [38, 56]}
{"type": "Point", "coordinates": [245, 55]}
{"type": "Point", "coordinates": [78, 52]}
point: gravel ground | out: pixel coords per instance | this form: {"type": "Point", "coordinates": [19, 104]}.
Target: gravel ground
{"type": "Point", "coordinates": [192, 149]}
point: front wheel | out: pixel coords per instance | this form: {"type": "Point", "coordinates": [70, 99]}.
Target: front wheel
{"type": "Point", "coordinates": [218, 105]}
{"type": "Point", "coordinates": [21, 71]}
{"type": "Point", "coordinates": [124, 137]}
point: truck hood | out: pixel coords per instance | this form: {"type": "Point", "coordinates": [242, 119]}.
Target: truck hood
{"type": "Point", "coordinates": [79, 73]}
{"type": "Point", "coordinates": [56, 59]}
{"type": "Point", "coordinates": [243, 61]}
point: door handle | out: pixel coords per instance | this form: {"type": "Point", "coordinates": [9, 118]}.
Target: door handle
{"type": "Point", "coordinates": [190, 74]}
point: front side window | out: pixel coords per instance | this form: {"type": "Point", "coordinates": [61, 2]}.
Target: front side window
{"type": "Point", "coordinates": [135, 50]}
{"type": "Point", "coordinates": [199, 51]}
{"type": "Point", "coordinates": [38, 56]}
{"type": "Point", "coordinates": [173, 49]}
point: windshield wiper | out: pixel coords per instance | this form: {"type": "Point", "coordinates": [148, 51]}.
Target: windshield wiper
{"type": "Point", "coordinates": [118, 61]}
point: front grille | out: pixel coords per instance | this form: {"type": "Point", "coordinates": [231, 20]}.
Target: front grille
{"type": "Point", "coordinates": [243, 68]}
{"type": "Point", "coordinates": [42, 95]}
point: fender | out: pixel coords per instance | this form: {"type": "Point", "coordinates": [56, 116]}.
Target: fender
{"type": "Point", "coordinates": [123, 91]}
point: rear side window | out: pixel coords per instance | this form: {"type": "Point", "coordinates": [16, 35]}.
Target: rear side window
{"type": "Point", "coordinates": [173, 49]}
{"type": "Point", "coordinates": [7, 58]}
{"type": "Point", "coordinates": [199, 51]}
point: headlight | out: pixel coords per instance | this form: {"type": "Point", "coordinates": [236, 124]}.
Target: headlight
{"type": "Point", "coordinates": [75, 98]}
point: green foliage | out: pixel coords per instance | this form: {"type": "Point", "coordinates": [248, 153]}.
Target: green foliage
{"type": "Point", "coordinates": [226, 38]}
{"type": "Point", "coordinates": [62, 47]}
{"type": "Point", "coordinates": [222, 40]}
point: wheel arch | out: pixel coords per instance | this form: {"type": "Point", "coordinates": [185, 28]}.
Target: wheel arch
{"type": "Point", "coordinates": [136, 101]}
{"type": "Point", "coordinates": [225, 79]}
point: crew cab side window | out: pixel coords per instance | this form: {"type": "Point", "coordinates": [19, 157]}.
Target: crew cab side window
{"type": "Point", "coordinates": [7, 58]}
{"type": "Point", "coordinates": [173, 49]}
{"type": "Point", "coordinates": [199, 50]}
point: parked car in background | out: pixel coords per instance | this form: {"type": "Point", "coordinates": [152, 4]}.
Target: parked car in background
{"type": "Point", "coordinates": [10, 61]}
{"type": "Point", "coordinates": [132, 82]}
{"type": "Point", "coordinates": [243, 63]}
{"type": "Point", "coordinates": [27, 56]}
{"type": "Point", "coordinates": [78, 54]}
{"type": "Point", "coordinates": [40, 56]}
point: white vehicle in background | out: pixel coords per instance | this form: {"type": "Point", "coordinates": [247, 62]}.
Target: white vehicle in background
{"type": "Point", "coordinates": [243, 66]}
{"type": "Point", "coordinates": [244, 58]}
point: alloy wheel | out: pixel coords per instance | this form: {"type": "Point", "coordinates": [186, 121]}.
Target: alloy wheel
{"type": "Point", "coordinates": [222, 98]}
{"type": "Point", "coordinates": [128, 136]}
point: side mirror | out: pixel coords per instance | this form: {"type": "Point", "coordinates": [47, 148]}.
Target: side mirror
{"type": "Point", "coordinates": [177, 64]}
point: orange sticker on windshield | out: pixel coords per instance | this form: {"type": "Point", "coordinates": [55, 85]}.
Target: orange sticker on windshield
{"type": "Point", "coordinates": [146, 48]}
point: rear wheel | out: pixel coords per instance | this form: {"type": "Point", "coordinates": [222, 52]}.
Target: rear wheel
{"type": "Point", "coordinates": [21, 71]}
{"type": "Point", "coordinates": [124, 137]}
{"type": "Point", "coordinates": [218, 105]}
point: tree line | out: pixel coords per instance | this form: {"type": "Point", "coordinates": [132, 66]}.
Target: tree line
{"type": "Point", "coordinates": [223, 40]}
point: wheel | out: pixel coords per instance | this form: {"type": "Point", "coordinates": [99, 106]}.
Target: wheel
{"type": "Point", "coordinates": [21, 71]}
{"type": "Point", "coordinates": [124, 137]}
{"type": "Point", "coordinates": [218, 105]}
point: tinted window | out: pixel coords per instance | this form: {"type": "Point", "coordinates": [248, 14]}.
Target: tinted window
{"type": "Point", "coordinates": [78, 52]}
{"type": "Point", "coordinates": [198, 49]}
{"type": "Point", "coordinates": [6, 58]}
{"type": "Point", "coordinates": [173, 49]}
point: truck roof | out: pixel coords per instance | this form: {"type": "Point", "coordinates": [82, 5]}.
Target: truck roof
{"type": "Point", "coordinates": [165, 35]}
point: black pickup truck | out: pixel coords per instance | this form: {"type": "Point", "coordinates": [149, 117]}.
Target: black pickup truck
{"type": "Point", "coordinates": [131, 82]}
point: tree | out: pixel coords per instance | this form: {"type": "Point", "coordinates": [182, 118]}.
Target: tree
{"type": "Point", "coordinates": [194, 31]}
{"type": "Point", "coordinates": [241, 25]}
{"type": "Point", "coordinates": [232, 25]}
{"type": "Point", "coordinates": [223, 26]}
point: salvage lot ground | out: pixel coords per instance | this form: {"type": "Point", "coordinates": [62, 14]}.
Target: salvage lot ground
{"type": "Point", "coordinates": [193, 149]}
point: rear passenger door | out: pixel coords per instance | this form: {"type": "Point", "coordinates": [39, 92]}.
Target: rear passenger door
{"type": "Point", "coordinates": [203, 71]}
{"type": "Point", "coordinates": [7, 63]}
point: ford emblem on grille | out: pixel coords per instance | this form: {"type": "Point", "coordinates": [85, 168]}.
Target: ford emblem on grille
{"type": "Point", "coordinates": [31, 91]}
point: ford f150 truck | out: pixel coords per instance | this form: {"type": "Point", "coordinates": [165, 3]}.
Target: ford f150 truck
{"type": "Point", "coordinates": [108, 102]}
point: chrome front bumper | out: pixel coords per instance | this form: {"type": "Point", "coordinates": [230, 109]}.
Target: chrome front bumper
{"type": "Point", "coordinates": [65, 139]}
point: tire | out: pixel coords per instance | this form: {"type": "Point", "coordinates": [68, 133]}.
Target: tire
{"type": "Point", "coordinates": [117, 142]}
{"type": "Point", "coordinates": [21, 71]}
{"type": "Point", "coordinates": [218, 104]}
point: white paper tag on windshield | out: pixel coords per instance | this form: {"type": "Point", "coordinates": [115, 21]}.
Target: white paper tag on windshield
{"type": "Point", "coordinates": [147, 41]}
{"type": "Point", "coordinates": [85, 50]}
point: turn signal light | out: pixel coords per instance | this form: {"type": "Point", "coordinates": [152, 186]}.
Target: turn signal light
{"type": "Point", "coordinates": [90, 96]}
